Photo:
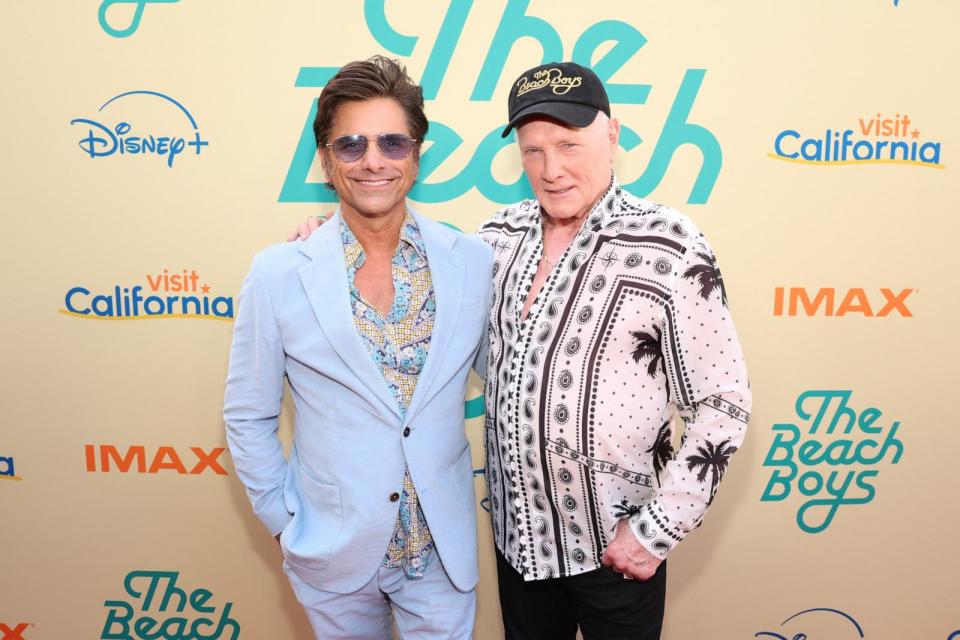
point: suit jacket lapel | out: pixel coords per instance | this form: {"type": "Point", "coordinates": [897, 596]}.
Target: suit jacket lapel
{"type": "Point", "coordinates": [447, 272]}
{"type": "Point", "coordinates": [324, 282]}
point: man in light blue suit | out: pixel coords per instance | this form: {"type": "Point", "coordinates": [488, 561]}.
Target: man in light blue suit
{"type": "Point", "coordinates": [375, 322]}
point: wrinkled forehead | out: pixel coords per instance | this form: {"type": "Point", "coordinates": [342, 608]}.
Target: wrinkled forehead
{"type": "Point", "coordinates": [542, 129]}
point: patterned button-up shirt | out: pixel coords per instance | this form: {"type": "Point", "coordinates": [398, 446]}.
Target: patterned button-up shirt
{"type": "Point", "coordinates": [398, 344]}
{"type": "Point", "coordinates": [630, 328]}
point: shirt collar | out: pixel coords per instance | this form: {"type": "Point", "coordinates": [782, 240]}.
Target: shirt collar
{"type": "Point", "coordinates": [409, 237]}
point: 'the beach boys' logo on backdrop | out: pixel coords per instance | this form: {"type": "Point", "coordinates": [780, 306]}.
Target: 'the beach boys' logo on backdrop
{"type": "Point", "coordinates": [816, 624]}
{"type": "Point", "coordinates": [875, 139]}
{"type": "Point", "coordinates": [618, 40]}
{"type": "Point", "coordinates": [830, 456]}
{"type": "Point", "coordinates": [7, 469]}
{"type": "Point", "coordinates": [157, 608]}
{"type": "Point", "coordinates": [137, 6]}
{"type": "Point", "coordinates": [162, 294]}
{"type": "Point", "coordinates": [178, 132]}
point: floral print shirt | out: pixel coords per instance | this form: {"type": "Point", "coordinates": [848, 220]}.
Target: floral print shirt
{"type": "Point", "coordinates": [398, 344]}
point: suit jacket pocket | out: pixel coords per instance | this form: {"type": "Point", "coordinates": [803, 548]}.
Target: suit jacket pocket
{"type": "Point", "coordinates": [310, 536]}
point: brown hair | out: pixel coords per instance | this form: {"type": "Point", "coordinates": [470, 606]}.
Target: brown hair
{"type": "Point", "coordinates": [376, 77]}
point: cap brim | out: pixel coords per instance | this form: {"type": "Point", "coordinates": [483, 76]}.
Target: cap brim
{"type": "Point", "coordinates": [570, 113]}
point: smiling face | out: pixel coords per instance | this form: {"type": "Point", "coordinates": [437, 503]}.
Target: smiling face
{"type": "Point", "coordinates": [569, 168]}
{"type": "Point", "coordinates": [373, 186]}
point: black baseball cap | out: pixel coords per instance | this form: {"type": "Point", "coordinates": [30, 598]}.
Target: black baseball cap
{"type": "Point", "coordinates": [565, 91]}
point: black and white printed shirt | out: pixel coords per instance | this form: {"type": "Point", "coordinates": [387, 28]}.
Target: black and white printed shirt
{"type": "Point", "coordinates": [630, 328]}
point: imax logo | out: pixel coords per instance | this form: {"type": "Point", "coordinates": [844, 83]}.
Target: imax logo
{"type": "Point", "coordinates": [799, 301]}
{"type": "Point", "coordinates": [165, 458]}
{"type": "Point", "coordinates": [15, 632]}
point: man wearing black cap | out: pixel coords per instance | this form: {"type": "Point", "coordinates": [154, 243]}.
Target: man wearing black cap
{"type": "Point", "coordinates": [608, 317]}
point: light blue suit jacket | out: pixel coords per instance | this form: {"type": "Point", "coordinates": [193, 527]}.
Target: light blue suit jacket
{"type": "Point", "coordinates": [332, 498]}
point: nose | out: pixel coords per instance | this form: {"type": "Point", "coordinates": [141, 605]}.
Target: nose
{"type": "Point", "coordinates": [552, 167]}
{"type": "Point", "coordinates": [372, 159]}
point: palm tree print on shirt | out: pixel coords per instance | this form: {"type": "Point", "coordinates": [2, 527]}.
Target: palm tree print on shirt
{"type": "Point", "coordinates": [712, 460]}
{"type": "Point", "coordinates": [648, 346]}
{"type": "Point", "coordinates": [662, 449]}
{"type": "Point", "coordinates": [708, 275]}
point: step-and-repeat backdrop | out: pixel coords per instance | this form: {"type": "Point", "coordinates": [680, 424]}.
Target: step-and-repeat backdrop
{"type": "Point", "coordinates": [151, 147]}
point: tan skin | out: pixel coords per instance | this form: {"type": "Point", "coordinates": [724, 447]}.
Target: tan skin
{"type": "Point", "coordinates": [569, 169]}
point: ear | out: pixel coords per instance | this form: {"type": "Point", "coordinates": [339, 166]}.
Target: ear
{"type": "Point", "coordinates": [613, 134]}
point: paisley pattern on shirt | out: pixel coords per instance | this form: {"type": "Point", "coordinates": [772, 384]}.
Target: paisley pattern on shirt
{"type": "Point", "coordinates": [630, 329]}
{"type": "Point", "coordinates": [398, 344]}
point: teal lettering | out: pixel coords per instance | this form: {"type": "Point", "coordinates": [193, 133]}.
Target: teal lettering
{"type": "Point", "coordinates": [514, 24]}
{"type": "Point", "coordinates": [374, 12]}
{"type": "Point", "coordinates": [826, 396]}
{"type": "Point", "coordinates": [838, 497]}
{"type": "Point", "coordinates": [117, 627]}
{"type": "Point", "coordinates": [628, 41]}
{"type": "Point", "coordinates": [677, 131]}
{"type": "Point", "coordinates": [443, 48]}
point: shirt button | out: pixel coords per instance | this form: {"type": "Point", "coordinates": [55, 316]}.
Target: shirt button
{"type": "Point", "coordinates": [394, 496]}
{"type": "Point", "coordinates": [406, 432]}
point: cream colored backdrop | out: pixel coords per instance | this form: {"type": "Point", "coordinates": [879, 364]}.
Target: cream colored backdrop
{"type": "Point", "coordinates": [84, 389]}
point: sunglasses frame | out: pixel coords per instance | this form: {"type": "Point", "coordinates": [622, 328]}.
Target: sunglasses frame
{"type": "Point", "coordinates": [358, 137]}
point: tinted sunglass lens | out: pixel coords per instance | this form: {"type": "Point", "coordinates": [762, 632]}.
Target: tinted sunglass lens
{"type": "Point", "coordinates": [350, 148]}
{"type": "Point", "coordinates": [394, 146]}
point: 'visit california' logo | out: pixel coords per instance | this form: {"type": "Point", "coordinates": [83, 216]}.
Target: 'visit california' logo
{"type": "Point", "coordinates": [874, 139]}
{"type": "Point", "coordinates": [164, 294]}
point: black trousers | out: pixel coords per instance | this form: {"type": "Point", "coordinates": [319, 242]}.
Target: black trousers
{"type": "Point", "coordinates": [600, 602]}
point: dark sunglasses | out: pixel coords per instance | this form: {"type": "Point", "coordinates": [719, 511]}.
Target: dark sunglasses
{"type": "Point", "coordinates": [395, 146]}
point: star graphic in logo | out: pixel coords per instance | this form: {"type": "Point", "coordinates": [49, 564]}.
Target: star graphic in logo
{"type": "Point", "coordinates": [205, 288]}
{"type": "Point", "coordinates": [915, 133]}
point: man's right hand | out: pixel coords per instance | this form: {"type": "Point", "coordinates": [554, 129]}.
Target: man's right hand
{"type": "Point", "coordinates": [303, 231]}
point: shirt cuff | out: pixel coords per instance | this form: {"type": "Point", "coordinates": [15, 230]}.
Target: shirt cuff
{"type": "Point", "coordinates": [653, 530]}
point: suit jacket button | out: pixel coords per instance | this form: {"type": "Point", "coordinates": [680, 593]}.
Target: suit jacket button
{"type": "Point", "coordinates": [406, 432]}
{"type": "Point", "coordinates": [394, 496]}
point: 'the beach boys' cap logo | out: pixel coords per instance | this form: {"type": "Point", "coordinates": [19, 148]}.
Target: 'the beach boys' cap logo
{"type": "Point", "coordinates": [103, 139]}
{"type": "Point", "coordinates": [876, 139]}
{"type": "Point", "coordinates": [552, 78]}
{"type": "Point", "coordinates": [166, 295]}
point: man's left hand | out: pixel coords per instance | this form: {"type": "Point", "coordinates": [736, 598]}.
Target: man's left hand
{"type": "Point", "coordinates": [627, 556]}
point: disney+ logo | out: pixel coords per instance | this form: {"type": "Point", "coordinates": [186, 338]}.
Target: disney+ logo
{"type": "Point", "coordinates": [102, 140]}
{"type": "Point", "coordinates": [828, 621]}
